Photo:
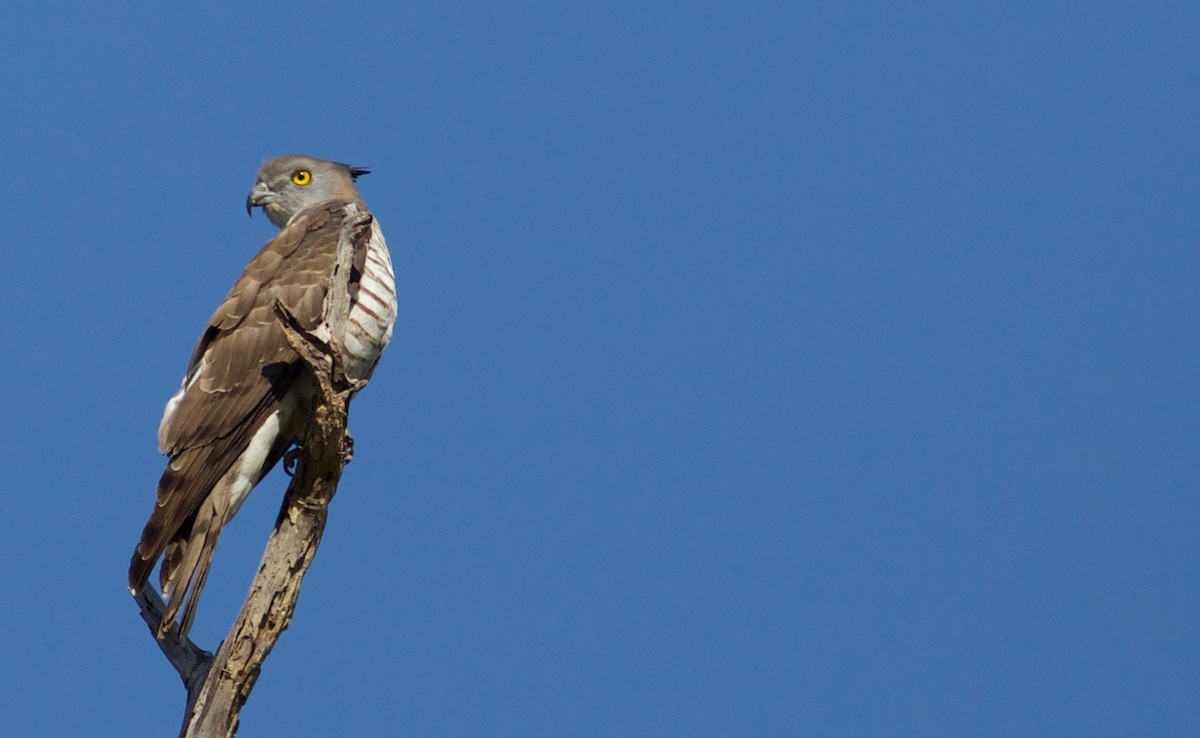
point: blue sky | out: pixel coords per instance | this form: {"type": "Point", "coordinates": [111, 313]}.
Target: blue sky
{"type": "Point", "coordinates": [763, 369]}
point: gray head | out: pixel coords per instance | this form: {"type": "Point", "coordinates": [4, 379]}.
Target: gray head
{"type": "Point", "coordinates": [288, 184]}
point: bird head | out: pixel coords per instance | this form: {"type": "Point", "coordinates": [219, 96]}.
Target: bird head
{"type": "Point", "coordinates": [288, 184]}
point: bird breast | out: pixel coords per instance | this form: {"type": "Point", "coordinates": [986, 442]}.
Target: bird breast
{"type": "Point", "coordinates": [369, 325]}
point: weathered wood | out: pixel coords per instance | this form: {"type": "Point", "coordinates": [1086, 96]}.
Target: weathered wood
{"type": "Point", "coordinates": [189, 660]}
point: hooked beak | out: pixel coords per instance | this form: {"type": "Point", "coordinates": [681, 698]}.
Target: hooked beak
{"type": "Point", "coordinates": [258, 197]}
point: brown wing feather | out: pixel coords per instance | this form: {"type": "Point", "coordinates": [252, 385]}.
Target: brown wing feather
{"type": "Point", "coordinates": [246, 367]}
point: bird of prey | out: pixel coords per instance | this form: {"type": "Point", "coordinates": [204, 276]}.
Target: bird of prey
{"type": "Point", "coordinates": [246, 397]}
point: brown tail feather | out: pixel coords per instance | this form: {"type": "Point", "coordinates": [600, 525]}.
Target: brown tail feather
{"type": "Point", "coordinates": [203, 566]}
{"type": "Point", "coordinates": [167, 528]}
{"type": "Point", "coordinates": [177, 580]}
{"type": "Point", "coordinates": [139, 572]}
{"type": "Point", "coordinates": [173, 558]}
{"type": "Point", "coordinates": [186, 565]}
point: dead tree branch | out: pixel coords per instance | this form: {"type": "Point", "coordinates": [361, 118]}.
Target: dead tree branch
{"type": "Point", "coordinates": [189, 660]}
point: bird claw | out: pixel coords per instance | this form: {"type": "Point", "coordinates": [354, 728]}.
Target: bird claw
{"type": "Point", "coordinates": [291, 458]}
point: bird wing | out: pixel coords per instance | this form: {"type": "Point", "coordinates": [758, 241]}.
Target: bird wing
{"type": "Point", "coordinates": [241, 368]}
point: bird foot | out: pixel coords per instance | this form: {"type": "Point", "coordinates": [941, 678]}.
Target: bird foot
{"type": "Point", "coordinates": [291, 458]}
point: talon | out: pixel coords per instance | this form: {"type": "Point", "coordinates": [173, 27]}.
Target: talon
{"type": "Point", "coordinates": [290, 459]}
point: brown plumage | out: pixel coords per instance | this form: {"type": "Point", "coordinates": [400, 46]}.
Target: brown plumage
{"type": "Point", "coordinates": [247, 396]}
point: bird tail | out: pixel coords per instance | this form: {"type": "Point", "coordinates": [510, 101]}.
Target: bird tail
{"type": "Point", "coordinates": [186, 562]}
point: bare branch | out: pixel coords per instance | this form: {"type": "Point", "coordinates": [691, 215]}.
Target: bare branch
{"type": "Point", "coordinates": [189, 660]}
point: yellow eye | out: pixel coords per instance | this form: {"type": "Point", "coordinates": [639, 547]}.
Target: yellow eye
{"type": "Point", "coordinates": [301, 177]}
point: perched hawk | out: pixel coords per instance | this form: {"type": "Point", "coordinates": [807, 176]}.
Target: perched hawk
{"type": "Point", "coordinates": [245, 398]}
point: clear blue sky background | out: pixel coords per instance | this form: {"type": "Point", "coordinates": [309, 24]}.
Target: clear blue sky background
{"type": "Point", "coordinates": [762, 369]}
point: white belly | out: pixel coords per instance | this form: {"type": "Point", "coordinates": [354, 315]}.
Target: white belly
{"type": "Point", "coordinates": [369, 327]}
